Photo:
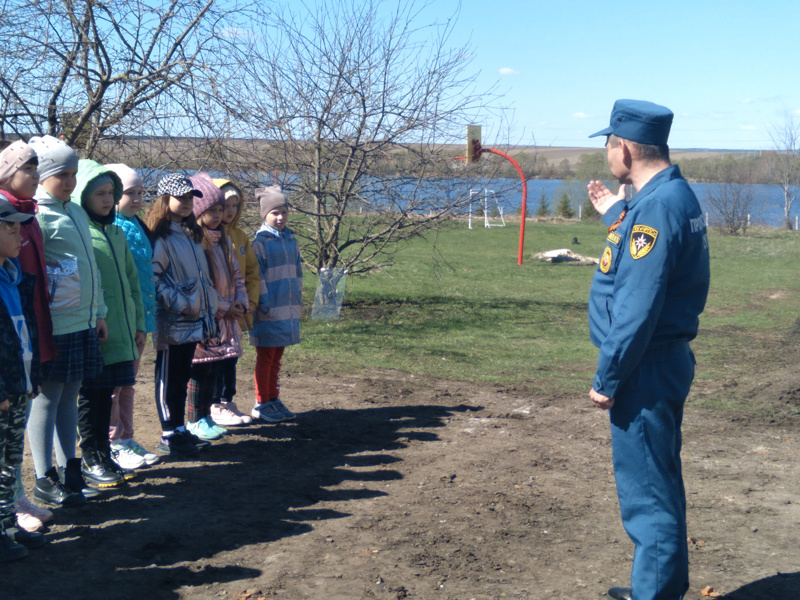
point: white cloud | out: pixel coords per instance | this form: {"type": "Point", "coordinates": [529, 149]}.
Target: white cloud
{"type": "Point", "coordinates": [749, 128]}
{"type": "Point", "coordinates": [580, 115]}
{"type": "Point", "coordinates": [508, 71]}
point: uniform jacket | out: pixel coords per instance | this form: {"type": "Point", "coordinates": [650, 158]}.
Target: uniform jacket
{"type": "Point", "coordinates": [120, 279]}
{"type": "Point", "coordinates": [72, 277]}
{"type": "Point", "coordinates": [230, 333]}
{"type": "Point", "coordinates": [652, 281]}
{"type": "Point", "coordinates": [12, 375]}
{"type": "Point", "coordinates": [276, 322]}
{"type": "Point", "coordinates": [248, 263]}
{"type": "Point", "coordinates": [31, 259]}
{"type": "Point", "coordinates": [142, 250]}
{"type": "Point", "coordinates": [186, 300]}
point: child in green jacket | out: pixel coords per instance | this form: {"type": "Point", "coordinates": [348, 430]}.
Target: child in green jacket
{"type": "Point", "coordinates": [98, 190]}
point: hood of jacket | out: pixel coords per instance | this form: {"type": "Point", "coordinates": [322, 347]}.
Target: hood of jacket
{"type": "Point", "coordinates": [88, 170]}
{"type": "Point", "coordinates": [219, 182]}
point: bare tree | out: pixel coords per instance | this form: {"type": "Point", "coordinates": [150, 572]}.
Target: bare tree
{"type": "Point", "coordinates": [358, 101]}
{"type": "Point", "coordinates": [784, 164]}
{"type": "Point", "coordinates": [95, 69]}
{"type": "Point", "coordinates": [731, 201]}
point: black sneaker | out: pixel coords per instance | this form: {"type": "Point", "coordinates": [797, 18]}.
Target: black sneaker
{"type": "Point", "coordinates": [199, 442]}
{"type": "Point", "coordinates": [52, 492]}
{"type": "Point", "coordinates": [96, 473]}
{"type": "Point", "coordinates": [178, 445]}
{"type": "Point", "coordinates": [10, 550]}
{"type": "Point", "coordinates": [28, 539]}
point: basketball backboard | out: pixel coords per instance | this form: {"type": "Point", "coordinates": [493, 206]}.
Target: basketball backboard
{"type": "Point", "coordinates": [473, 143]}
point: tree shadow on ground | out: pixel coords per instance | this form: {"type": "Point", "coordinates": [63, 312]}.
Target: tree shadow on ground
{"type": "Point", "coordinates": [783, 586]}
{"type": "Point", "coordinates": [254, 487]}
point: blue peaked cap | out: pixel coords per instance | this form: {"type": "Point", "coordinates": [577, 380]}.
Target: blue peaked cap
{"type": "Point", "coordinates": [639, 121]}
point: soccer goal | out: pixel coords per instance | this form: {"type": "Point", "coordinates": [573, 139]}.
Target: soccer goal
{"type": "Point", "coordinates": [487, 204]}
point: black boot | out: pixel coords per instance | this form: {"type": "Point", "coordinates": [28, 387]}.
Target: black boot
{"type": "Point", "coordinates": [27, 539]}
{"type": "Point", "coordinates": [72, 478]}
{"type": "Point", "coordinates": [52, 492]}
{"type": "Point", "coordinates": [9, 549]}
{"type": "Point", "coordinates": [96, 473]}
{"type": "Point", "coordinates": [111, 465]}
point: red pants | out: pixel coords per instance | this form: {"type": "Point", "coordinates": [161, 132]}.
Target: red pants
{"type": "Point", "coordinates": [268, 365]}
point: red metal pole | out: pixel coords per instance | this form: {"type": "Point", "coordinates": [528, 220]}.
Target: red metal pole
{"type": "Point", "coordinates": [478, 151]}
{"type": "Point", "coordinates": [524, 198]}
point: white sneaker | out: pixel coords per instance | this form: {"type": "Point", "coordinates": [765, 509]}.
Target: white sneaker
{"type": "Point", "coordinates": [148, 456]}
{"type": "Point", "coordinates": [125, 457]}
{"type": "Point", "coordinates": [222, 415]}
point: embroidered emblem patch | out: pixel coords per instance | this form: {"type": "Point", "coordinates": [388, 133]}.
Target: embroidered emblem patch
{"type": "Point", "coordinates": [242, 250]}
{"type": "Point", "coordinates": [605, 260]}
{"type": "Point", "coordinates": [643, 238]}
{"type": "Point", "coordinates": [614, 238]}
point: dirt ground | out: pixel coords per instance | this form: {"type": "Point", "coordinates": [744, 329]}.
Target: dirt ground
{"type": "Point", "coordinates": [390, 487]}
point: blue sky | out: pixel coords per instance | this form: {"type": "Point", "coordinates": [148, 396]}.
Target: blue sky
{"type": "Point", "coordinates": [727, 69]}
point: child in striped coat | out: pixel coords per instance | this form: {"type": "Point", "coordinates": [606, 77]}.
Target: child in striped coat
{"type": "Point", "coordinates": [276, 323]}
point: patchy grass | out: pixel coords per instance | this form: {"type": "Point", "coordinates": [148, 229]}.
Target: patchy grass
{"type": "Point", "coordinates": [458, 306]}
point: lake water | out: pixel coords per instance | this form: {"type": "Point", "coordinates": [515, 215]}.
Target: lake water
{"type": "Point", "coordinates": [767, 210]}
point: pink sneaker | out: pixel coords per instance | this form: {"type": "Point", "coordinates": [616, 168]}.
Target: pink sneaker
{"type": "Point", "coordinates": [246, 419]}
{"type": "Point", "coordinates": [227, 415]}
{"type": "Point", "coordinates": [29, 522]}
{"type": "Point", "coordinates": [223, 415]}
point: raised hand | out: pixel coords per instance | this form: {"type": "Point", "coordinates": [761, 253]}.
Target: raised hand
{"type": "Point", "coordinates": [601, 196]}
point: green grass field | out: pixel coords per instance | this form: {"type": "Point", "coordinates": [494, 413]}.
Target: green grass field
{"type": "Point", "coordinates": [458, 306]}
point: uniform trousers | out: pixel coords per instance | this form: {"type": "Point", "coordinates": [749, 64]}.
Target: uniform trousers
{"type": "Point", "coordinates": [646, 440]}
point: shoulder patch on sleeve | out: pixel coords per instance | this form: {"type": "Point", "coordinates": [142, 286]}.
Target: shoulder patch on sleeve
{"type": "Point", "coordinates": [605, 261]}
{"type": "Point", "coordinates": [643, 238]}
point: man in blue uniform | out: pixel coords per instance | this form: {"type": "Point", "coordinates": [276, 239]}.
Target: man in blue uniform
{"type": "Point", "coordinates": [646, 297]}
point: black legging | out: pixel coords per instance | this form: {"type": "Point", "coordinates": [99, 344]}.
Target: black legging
{"type": "Point", "coordinates": [173, 370]}
{"type": "Point", "coordinates": [94, 418]}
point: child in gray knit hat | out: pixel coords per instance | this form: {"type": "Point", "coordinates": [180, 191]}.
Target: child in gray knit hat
{"type": "Point", "coordinates": [78, 311]}
{"type": "Point", "coordinates": [54, 155]}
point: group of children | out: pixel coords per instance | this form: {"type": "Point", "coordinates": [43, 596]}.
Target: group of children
{"type": "Point", "coordinates": [84, 280]}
